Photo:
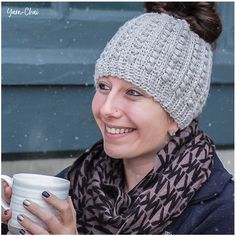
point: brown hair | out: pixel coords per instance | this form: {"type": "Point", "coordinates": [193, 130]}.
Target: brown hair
{"type": "Point", "coordinates": [201, 16]}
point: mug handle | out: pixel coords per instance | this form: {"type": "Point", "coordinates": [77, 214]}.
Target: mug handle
{"type": "Point", "coordinates": [4, 204]}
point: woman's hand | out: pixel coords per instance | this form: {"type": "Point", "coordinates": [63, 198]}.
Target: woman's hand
{"type": "Point", "coordinates": [6, 215]}
{"type": "Point", "coordinates": [62, 223]}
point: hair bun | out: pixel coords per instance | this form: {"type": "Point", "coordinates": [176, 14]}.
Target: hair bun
{"type": "Point", "coordinates": [201, 16]}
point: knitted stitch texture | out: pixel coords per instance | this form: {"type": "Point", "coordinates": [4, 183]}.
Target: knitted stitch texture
{"type": "Point", "coordinates": [164, 57]}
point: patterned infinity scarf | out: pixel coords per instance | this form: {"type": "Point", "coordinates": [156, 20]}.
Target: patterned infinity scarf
{"type": "Point", "coordinates": [97, 183]}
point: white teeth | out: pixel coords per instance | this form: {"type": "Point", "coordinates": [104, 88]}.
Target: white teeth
{"type": "Point", "coordinates": [118, 131]}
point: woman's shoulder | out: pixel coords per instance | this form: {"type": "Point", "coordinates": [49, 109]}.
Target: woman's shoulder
{"type": "Point", "coordinates": [219, 184]}
{"type": "Point", "coordinates": [211, 211]}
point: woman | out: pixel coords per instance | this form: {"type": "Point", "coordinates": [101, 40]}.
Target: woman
{"type": "Point", "coordinates": [154, 171]}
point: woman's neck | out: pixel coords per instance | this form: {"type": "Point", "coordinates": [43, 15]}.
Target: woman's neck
{"type": "Point", "coordinates": [135, 170]}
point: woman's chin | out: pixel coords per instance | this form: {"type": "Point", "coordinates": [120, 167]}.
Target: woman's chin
{"type": "Point", "coordinates": [115, 153]}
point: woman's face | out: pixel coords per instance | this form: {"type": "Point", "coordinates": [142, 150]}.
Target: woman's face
{"type": "Point", "coordinates": [132, 124]}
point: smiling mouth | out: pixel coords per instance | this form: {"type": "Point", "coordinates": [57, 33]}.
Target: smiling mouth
{"type": "Point", "coordinates": [114, 131]}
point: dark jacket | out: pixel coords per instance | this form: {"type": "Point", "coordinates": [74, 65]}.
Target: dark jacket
{"type": "Point", "coordinates": [211, 211]}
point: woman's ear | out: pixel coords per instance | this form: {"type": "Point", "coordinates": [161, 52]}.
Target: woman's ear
{"type": "Point", "coordinates": [173, 126]}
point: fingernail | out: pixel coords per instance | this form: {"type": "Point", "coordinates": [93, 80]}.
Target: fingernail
{"type": "Point", "coordinates": [22, 231]}
{"type": "Point", "coordinates": [5, 184]}
{"type": "Point", "coordinates": [45, 194]}
{"type": "Point", "coordinates": [20, 218]}
{"type": "Point", "coordinates": [6, 212]}
{"type": "Point", "coordinates": [26, 202]}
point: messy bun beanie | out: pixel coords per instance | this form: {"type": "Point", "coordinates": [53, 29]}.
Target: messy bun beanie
{"type": "Point", "coordinates": [162, 55]}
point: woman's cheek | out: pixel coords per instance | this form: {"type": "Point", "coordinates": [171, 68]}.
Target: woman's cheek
{"type": "Point", "coordinates": [95, 104]}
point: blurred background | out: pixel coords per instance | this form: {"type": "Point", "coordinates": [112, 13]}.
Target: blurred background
{"type": "Point", "coordinates": [48, 55]}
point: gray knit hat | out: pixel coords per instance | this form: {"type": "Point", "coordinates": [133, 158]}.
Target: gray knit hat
{"type": "Point", "coordinates": [161, 55]}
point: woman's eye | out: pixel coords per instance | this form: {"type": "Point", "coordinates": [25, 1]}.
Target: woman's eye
{"type": "Point", "coordinates": [102, 86]}
{"type": "Point", "coordinates": [134, 93]}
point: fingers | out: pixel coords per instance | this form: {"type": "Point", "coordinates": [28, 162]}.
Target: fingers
{"type": "Point", "coordinates": [7, 192]}
{"type": "Point", "coordinates": [64, 222]}
{"type": "Point", "coordinates": [6, 216]}
{"type": "Point", "coordinates": [72, 207]}
{"type": "Point", "coordinates": [46, 216]}
{"type": "Point", "coordinates": [30, 227]}
{"type": "Point", "coordinates": [65, 207]}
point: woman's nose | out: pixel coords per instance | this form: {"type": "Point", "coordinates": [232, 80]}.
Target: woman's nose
{"type": "Point", "coordinates": [111, 107]}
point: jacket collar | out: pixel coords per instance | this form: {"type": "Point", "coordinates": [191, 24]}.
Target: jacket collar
{"type": "Point", "coordinates": [215, 184]}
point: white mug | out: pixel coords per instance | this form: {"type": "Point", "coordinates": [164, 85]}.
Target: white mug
{"type": "Point", "coordinates": [30, 187]}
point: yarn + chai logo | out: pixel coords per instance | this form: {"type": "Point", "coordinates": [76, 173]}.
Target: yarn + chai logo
{"type": "Point", "coordinates": [27, 11]}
